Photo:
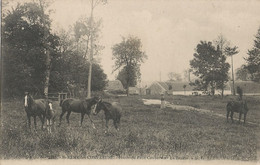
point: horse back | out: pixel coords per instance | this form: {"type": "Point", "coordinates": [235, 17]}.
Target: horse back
{"type": "Point", "coordinates": [40, 106]}
{"type": "Point", "coordinates": [116, 110]}
{"type": "Point", "coordinates": [65, 104]}
{"type": "Point", "coordinates": [74, 105]}
{"type": "Point", "coordinates": [237, 106]}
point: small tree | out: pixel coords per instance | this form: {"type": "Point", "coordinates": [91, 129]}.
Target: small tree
{"type": "Point", "coordinates": [128, 54]}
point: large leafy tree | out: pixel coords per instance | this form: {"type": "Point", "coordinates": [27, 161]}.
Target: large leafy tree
{"type": "Point", "coordinates": [24, 49]}
{"type": "Point", "coordinates": [253, 59]}
{"type": "Point", "coordinates": [209, 65]}
{"type": "Point", "coordinates": [131, 79]}
{"type": "Point", "coordinates": [128, 55]}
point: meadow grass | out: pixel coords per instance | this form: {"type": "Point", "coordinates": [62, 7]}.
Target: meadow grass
{"type": "Point", "coordinates": [146, 132]}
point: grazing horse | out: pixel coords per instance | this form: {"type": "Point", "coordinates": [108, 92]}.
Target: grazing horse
{"type": "Point", "coordinates": [79, 106]}
{"type": "Point", "coordinates": [111, 110]}
{"type": "Point", "coordinates": [239, 107]}
{"type": "Point", "coordinates": [34, 108]}
{"type": "Point", "coordinates": [50, 116]}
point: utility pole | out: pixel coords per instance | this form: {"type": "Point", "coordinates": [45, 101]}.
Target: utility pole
{"type": "Point", "coordinates": [47, 52]}
{"type": "Point", "coordinates": [232, 72]}
{"type": "Point", "coordinates": [91, 43]}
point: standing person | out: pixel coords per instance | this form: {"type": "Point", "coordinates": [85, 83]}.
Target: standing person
{"type": "Point", "coordinates": [162, 101]}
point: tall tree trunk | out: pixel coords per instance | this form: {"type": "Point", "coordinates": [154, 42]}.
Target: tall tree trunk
{"type": "Point", "coordinates": [222, 89]}
{"type": "Point", "coordinates": [233, 81]}
{"type": "Point", "coordinates": [91, 51]}
{"type": "Point", "coordinates": [47, 74]}
{"type": "Point", "coordinates": [47, 51]}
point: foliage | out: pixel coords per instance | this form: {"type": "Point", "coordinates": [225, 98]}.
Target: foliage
{"type": "Point", "coordinates": [132, 78]}
{"type": "Point", "coordinates": [23, 49]}
{"type": "Point", "coordinates": [209, 64]}
{"type": "Point", "coordinates": [253, 59]}
{"type": "Point", "coordinates": [128, 54]}
{"type": "Point", "coordinates": [83, 31]}
{"type": "Point", "coordinates": [174, 76]}
{"type": "Point", "coordinates": [243, 74]}
{"type": "Point", "coordinates": [24, 57]}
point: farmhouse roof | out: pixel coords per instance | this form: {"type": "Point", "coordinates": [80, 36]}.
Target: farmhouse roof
{"type": "Point", "coordinates": [114, 85]}
{"type": "Point", "coordinates": [163, 85]}
{"type": "Point", "coordinates": [178, 86]}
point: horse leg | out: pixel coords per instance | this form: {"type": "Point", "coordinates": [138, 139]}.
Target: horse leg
{"type": "Point", "coordinates": [239, 117]}
{"type": "Point", "coordinates": [48, 124]}
{"type": "Point", "coordinates": [232, 113]}
{"type": "Point", "coordinates": [42, 118]}
{"type": "Point", "coordinates": [35, 123]}
{"type": "Point", "coordinates": [93, 125]}
{"type": "Point", "coordinates": [82, 117]}
{"type": "Point", "coordinates": [244, 118]}
{"type": "Point", "coordinates": [61, 115]}
{"type": "Point", "coordinates": [29, 121]}
{"type": "Point", "coordinates": [67, 117]}
{"type": "Point", "coordinates": [115, 125]}
{"type": "Point", "coordinates": [228, 115]}
{"type": "Point", "coordinates": [106, 125]}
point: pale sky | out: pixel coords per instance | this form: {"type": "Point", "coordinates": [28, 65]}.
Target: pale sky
{"type": "Point", "coordinates": [169, 29]}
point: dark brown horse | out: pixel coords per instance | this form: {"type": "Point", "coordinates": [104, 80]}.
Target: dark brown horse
{"type": "Point", "coordinates": [239, 107]}
{"type": "Point", "coordinates": [34, 108]}
{"type": "Point", "coordinates": [111, 110]}
{"type": "Point", "coordinates": [78, 106]}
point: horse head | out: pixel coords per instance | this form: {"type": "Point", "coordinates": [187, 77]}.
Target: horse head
{"type": "Point", "coordinates": [50, 105]}
{"type": "Point", "coordinates": [28, 100]}
{"type": "Point", "coordinates": [98, 106]}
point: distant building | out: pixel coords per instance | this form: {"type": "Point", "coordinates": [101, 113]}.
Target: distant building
{"type": "Point", "coordinates": [176, 88]}
{"type": "Point", "coordinates": [157, 88]}
{"type": "Point", "coordinates": [114, 85]}
{"type": "Point", "coordinates": [248, 87]}
{"type": "Point", "coordinates": [134, 91]}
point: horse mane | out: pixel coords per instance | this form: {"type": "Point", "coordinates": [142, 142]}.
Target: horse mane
{"type": "Point", "coordinates": [106, 105]}
{"type": "Point", "coordinates": [90, 99]}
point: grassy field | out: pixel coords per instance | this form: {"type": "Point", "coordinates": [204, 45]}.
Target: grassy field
{"type": "Point", "coordinates": [146, 132]}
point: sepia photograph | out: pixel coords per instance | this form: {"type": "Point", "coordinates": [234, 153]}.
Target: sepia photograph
{"type": "Point", "coordinates": [130, 81]}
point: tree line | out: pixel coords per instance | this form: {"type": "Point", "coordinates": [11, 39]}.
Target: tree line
{"type": "Point", "coordinates": [39, 60]}
{"type": "Point", "coordinates": [210, 64]}
{"type": "Point", "coordinates": [24, 29]}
